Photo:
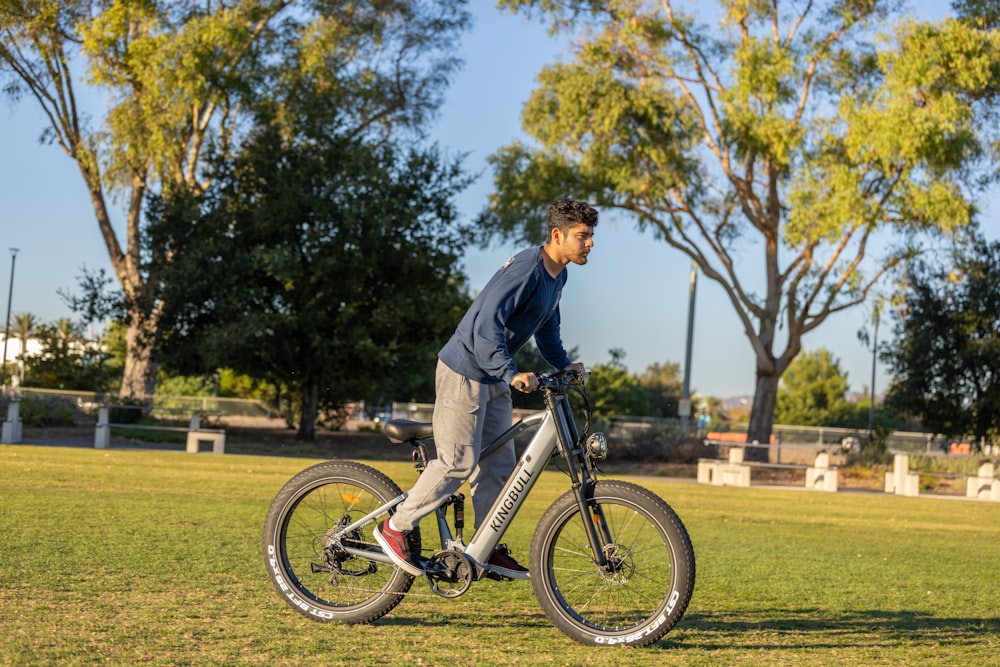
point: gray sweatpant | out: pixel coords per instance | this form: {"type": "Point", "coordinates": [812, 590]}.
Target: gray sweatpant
{"type": "Point", "coordinates": [467, 416]}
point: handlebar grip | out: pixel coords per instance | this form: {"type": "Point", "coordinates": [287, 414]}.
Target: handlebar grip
{"type": "Point", "coordinates": [520, 386]}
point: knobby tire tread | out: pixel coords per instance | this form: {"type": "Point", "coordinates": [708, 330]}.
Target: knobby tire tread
{"type": "Point", "coordinates": [286, 502]}
{"type": "Point", "coordinates": [562, 514]}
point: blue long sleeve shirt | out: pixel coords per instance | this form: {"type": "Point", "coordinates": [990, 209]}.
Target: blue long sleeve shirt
{"type": "Point", "coordinates": [520, 301]}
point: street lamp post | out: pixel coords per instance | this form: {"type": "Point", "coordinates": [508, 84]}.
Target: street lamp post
{"type": "Point", "coordinates": [10, 294]}
{"type": "Point", "coordinates": [684, 411]}
{"type": "Point", "coordinates": [871, 408]}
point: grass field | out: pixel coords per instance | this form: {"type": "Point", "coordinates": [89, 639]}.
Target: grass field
{"type": "Point", "coordinates": [142, 557]}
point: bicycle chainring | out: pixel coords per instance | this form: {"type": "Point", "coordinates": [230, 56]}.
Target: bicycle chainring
{"type": "Point", "coordinates": [449, 573]}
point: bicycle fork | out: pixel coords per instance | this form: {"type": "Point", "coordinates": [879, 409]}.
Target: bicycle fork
{"type": "Point", "coordinates": [595, 524]}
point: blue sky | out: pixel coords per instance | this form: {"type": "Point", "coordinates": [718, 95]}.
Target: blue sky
{"type": "Point", "coordinates": [633, 293]}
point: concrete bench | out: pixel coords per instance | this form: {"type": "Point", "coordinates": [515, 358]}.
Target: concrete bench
{"type": "Point", "coordinates": [735, 471]}
{"type": "Point", "coordinates": [905, 482]}
{"type": "Point", "coordinates": [985, 485]}
{"type": "Point", "coordinates": [195, 433]}
{"type": "Point", "coordinates": [732, 472]}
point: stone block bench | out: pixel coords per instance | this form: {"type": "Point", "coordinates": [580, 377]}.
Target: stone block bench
{"type": "Point", "coordinates": [196, 435]}
{"type": "Point", "coordinates": [735, 471]}
{"type": "Point", "coordinates": [905, 482]}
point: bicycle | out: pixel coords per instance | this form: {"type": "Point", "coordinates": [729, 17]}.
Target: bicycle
{"type": "Point", "coordinates": [610, 562]}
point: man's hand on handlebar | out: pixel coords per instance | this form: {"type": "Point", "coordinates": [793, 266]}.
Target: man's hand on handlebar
{"type": "Point", "coordinates": [526, 382]}
{"type": "Point", "coordinates": [529, 382]}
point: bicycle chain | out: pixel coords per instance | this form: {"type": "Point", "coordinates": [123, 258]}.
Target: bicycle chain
{"type": "Point", "coordinates": [382, 591]}
{"type": "Point", "coordinates": [409, 592]}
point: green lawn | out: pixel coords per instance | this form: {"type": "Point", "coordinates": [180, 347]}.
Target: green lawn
{"type": "Point", "coordinates": [142, 557]}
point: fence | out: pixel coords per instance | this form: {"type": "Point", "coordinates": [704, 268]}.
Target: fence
{"type": "Point", "coordinates": [903, 442]}
{"type": "Point", "coordinates": [424, 412]}
{"type": "Point", "coordinates": [89, 401]}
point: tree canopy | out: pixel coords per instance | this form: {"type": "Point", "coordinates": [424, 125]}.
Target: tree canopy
{"type": "Point", "coordinates": [68, 361]}
{"type": "Point", "coordinates": [795, 151]}
{"type": "Point", "coordinates": [182, 76]}
{"type": "Point", "coordinates": [320, 261]}
{"type": "Point", "coordinates": [945, 361]}
{"type": "Point", "coordinates": [813, 391]}
{"type": "Point", "coordinates": [665, 387]}
{"type": "Point", "coordinates": [614, 391]}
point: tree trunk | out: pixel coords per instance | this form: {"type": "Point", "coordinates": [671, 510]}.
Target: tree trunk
{"type": "Point", "coordinates": [310, 405]}
{"type": "Point", "coordinates": [765, 399]}
{"type": "Point", "coordinates": [139, 377]}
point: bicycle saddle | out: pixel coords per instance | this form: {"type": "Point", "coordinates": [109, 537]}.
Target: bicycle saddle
{"type": "Point", "coordinates": [405, 430]}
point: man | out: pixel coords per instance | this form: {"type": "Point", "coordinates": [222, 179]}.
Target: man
{"type": "Point", "coordinates": [475, 372]}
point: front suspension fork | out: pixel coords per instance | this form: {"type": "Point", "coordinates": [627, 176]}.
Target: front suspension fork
{"type": "Point", "coordinates": [594, 523]}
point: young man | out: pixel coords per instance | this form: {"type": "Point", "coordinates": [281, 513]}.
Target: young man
{"type": "Point", "coordinates": [475, 372]}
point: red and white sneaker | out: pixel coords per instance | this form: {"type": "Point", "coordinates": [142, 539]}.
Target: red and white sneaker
{"type": "Point", "coordinates": [502, 565]}
{"type": "Point", "coordinates": [402, 547]}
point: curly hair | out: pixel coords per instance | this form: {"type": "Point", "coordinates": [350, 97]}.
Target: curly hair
{"type": "Point", "coordinates": [564, 213]}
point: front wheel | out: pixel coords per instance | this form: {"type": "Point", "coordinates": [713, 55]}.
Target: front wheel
{"type": "Point", "coordinates": [647, 583]}
{"type": "Point", "coordinates": [306, 550]}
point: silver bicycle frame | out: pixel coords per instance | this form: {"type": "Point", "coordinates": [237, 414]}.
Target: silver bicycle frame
{"type": "Point", "coordinates": [526, 472]}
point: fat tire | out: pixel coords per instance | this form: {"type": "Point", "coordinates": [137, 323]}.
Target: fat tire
{"type": "Point", "coordinates": [633, 607]}
{"type": "Point", "coordinates": [306, 507]}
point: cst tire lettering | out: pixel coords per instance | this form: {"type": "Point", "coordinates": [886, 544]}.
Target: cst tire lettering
{"type": "Point", "coordinates": [315, 594]}
{"type": "Point", "coordinates": [630, 638]}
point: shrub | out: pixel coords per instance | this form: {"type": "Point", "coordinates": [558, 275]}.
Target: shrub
{"type": "Point", "coordinates": [127, 412]}
{"type": "Point", "coordinates": [660, 445]}
{"type": "Point", "coordinates": [46, 412]}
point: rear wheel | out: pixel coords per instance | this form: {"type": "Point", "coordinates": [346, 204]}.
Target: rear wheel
{"type": "Point", "coordinates": [308, 567]}
{"type": "Point", "coordinates": [643, 590]}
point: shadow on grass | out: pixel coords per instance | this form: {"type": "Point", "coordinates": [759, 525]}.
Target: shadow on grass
{"type": "Point", "coordinates": [521, 621]}
{"type": "Point", "coordinates": [818, 629]}
{"type": "Point", "coordinates": [789, 629]}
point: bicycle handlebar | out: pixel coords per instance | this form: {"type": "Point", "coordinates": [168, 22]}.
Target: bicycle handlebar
{"type": "Point", "coordinates": [556, 380]}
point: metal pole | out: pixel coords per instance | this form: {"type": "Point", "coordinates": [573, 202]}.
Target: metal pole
{"type": "Point", "coordinates": [10, 294]}
{"type": "Point", "coordinates": [686, 390]}
{"type": "Point", "coordinates": [871, 409]}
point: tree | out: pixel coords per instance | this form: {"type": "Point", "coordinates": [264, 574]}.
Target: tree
{"type": "Point", "coordinates": [614, 391]}
{"type": "Point", "coordinates": [321, 262]}
{"type": "Point", "coordinates": [664, 385]}
{"type": "Point", "coordinates": [67, 361]}
{"type": "Point", "coordinates": [181, 77]}
{"type": "Point", "coordinates": [813, 391]}
{"type": "Point", "coordinates": [787, 131]}
{"type": "Point", "coordinates": [983, 12]}
{"type": "Point", "coordinates": [945, 362]}
{"type": "Point", "coordinates": [25, 327]}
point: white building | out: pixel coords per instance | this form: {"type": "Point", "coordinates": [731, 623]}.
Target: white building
{"type": "Point", "coordinates": [33, 347]}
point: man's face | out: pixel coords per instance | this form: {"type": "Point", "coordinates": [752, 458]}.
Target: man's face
{"type": "Point", "coordinates": [575, 243]}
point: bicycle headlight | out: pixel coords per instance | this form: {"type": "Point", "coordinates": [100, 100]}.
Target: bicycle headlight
{"type": "Point", "coordinates": [597, 446]}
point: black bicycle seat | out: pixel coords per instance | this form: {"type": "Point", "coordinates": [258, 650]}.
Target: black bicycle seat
{"type": "Point", "coordinates": [405, 430]}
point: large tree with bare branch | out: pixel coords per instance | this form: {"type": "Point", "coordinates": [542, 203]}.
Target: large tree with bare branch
{"type": "Point", "coordinates": [796, 151]}
{"type": "Point", "coordinates": [179, 76]}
